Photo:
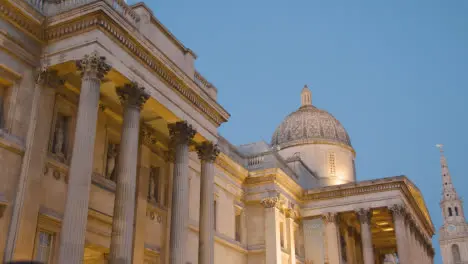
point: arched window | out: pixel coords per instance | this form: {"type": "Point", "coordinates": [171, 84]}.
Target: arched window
{"type": "Point", "coordinates": [456, 254]}
{"type": "Point", "coordinates": [450, 211]}
{"type": "Point", "coordinates": [456, 211]}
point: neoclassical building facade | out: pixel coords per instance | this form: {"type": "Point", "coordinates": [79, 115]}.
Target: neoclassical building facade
{"type": "Point", "coordinates": [110, 153]}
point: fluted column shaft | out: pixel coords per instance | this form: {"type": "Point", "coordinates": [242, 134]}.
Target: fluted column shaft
{"type": "Point", "coordinates": [365, 216]}
{"type": "Point", "coordinates": [333, 245]}
{"type": "Point", "coordinates": [207, 152]}
{"type": "Point", "coordinates": [72, 238]}
{"type": "Point", "coordinates": [181, 134]}
{"type": "Point", "coordinates": [132, 98]}
{"type": "Point", "coordinates": [398, 213]}
{"type": "Point", "coordinates": [350, 246]}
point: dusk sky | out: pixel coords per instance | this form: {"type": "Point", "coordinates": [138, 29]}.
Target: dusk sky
{"type": "Point", "coordinates": [394, 73]}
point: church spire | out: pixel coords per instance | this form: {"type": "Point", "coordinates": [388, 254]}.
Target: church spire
{"type": "Point", "coordinates": [448, 191]}
{"type": "Point", "coordinates": [306, 96]}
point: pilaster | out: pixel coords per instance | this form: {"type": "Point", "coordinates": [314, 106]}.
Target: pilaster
{"type": "Point", "coordinates": [20, 244]}
{"type": "Point", "coordinates": [272, 234]}
{"type": "Point", "coordinates": [333, 246]}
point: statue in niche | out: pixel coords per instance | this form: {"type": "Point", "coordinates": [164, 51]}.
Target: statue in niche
{"type": "Point", "coordinates": [111, 161]}
{"type": "Point", "coordinates": [153, 185]}
{"type": "Point", "coordinates": [59, 137]}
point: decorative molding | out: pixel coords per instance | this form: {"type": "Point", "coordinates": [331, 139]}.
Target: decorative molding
{"type": "Point", "coordinates": [181, 133]}
{"type": "Point", "coordinates": [132, 95]}
{"type": "Point", "coordinates": [93, 66]}
{"type": "Point", "coordinates": [364, 215]}
{"type": "Point", "coordinates": [16, 17]}
{"type": "Point", "coordinates": [331, 218]}
{"type": "Point", "coordinates": [207, 151]}
{"type": "Point", "coordinates": [174, 79]}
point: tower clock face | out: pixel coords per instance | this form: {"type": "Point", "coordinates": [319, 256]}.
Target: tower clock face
{"type": "Point", "coordinates": [451, 228]}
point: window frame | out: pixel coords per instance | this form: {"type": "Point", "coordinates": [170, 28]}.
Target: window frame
{"type": "Point", "coordinates": [51, 248]}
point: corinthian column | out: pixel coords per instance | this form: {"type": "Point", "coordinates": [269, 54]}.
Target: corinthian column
{"type": "Point", "coordinates": [272, 233]}
{"type": "Point", "coordinates": [132, 97]}
{"type": "Point", "coordinates": [333, 245]}
{"type": "Point", "coordinates": [181, 134]}
{"type": "Point", "coordinates": [364, 216]}
{"type": "Point", "coordinates": [72, 238]}
{"type": "Point", "coordinates": [207, 152]}
{"type": "Point", "coordinates": [398, 213]}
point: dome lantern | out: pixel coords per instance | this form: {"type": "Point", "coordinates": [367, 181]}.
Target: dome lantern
{"type": "Point", "coordinates": [306, 96]}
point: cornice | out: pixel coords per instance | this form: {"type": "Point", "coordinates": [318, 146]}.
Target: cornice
{"type": "Point", "coordinates": [100, 20]}
{"type": "Point", "coordinates": [234, 170]}
{"type": "Point", "coordinates": [317, 141]}
{"type": "Point", "coordinates": [11, 13]}
{"type": "Point", "coordinates": [276, 176]}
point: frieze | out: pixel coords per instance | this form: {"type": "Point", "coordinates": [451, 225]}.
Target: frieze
{"type": "Point", "coordinates": [17, 18]}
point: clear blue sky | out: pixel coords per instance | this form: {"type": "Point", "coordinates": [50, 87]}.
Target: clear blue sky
{"type": "Point", "coordinates": [395, 73]}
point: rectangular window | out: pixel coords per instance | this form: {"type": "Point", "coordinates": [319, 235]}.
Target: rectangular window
{"type": "Point", "coordinates": [238, 226]}
{"type": "Point", "coordinates": [44, 243]}
{"type": "Point", "coordinates": [331, 164]}
{"type": "Point", "coordinates": [282, 234]}
{"type": "Point", "coordinates": [215, 212]}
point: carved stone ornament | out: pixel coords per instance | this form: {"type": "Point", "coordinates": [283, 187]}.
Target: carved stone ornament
{"type": "Point", "coordinates": [93, 66]}
{"type": "Point", "coordinates": [50, 78]}
{"type": "Point", "coordinates": [132, 95]}
{"type": "Point", "coordinates": [330, 218]}
{"type": "Point", "coordinates": [181, 132]}
{"type": "Point", "coordinates": [207, 151]}
{"type": "Point", "coordinates": [270, 202]}
{"type": "Point", "coordinates": [398, 210]}
{"type": "Point", "coordinates": [290, 213]}
{"type": "Point", "coordinates": [147, 136]}
{"type": "Point", "coordinates": [364, 215]}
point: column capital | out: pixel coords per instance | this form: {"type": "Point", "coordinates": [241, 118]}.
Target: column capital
{"type": "Point", "coordinates": [181, 132]}
{"type": "Point", "coordinates": [270, 202]}
{"type": "Point", "coordinates": [48, 77]}
{"type": "Point", "coordinates": [330, 218]}
{"type": "Point", "coordinates": [364, 215]}
{"type": "Point", "coordinates": [398, 210]}
{"type": "Point", "coordinates": [132, 95]}
{"type": "Point", "coordinates": [93, 65]}
{"type": "Point", "coordinates": [207, 151]}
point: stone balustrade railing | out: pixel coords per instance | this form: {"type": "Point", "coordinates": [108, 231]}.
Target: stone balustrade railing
{"type": "Point", "coordinates": [53, 7]}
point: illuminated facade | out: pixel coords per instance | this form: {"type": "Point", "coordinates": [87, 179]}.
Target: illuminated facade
{"type": "Point", "coordinates": [110, 153]}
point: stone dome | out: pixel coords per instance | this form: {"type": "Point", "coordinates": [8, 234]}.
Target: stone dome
{"type": "Point", "coordinates": [309, 125]}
